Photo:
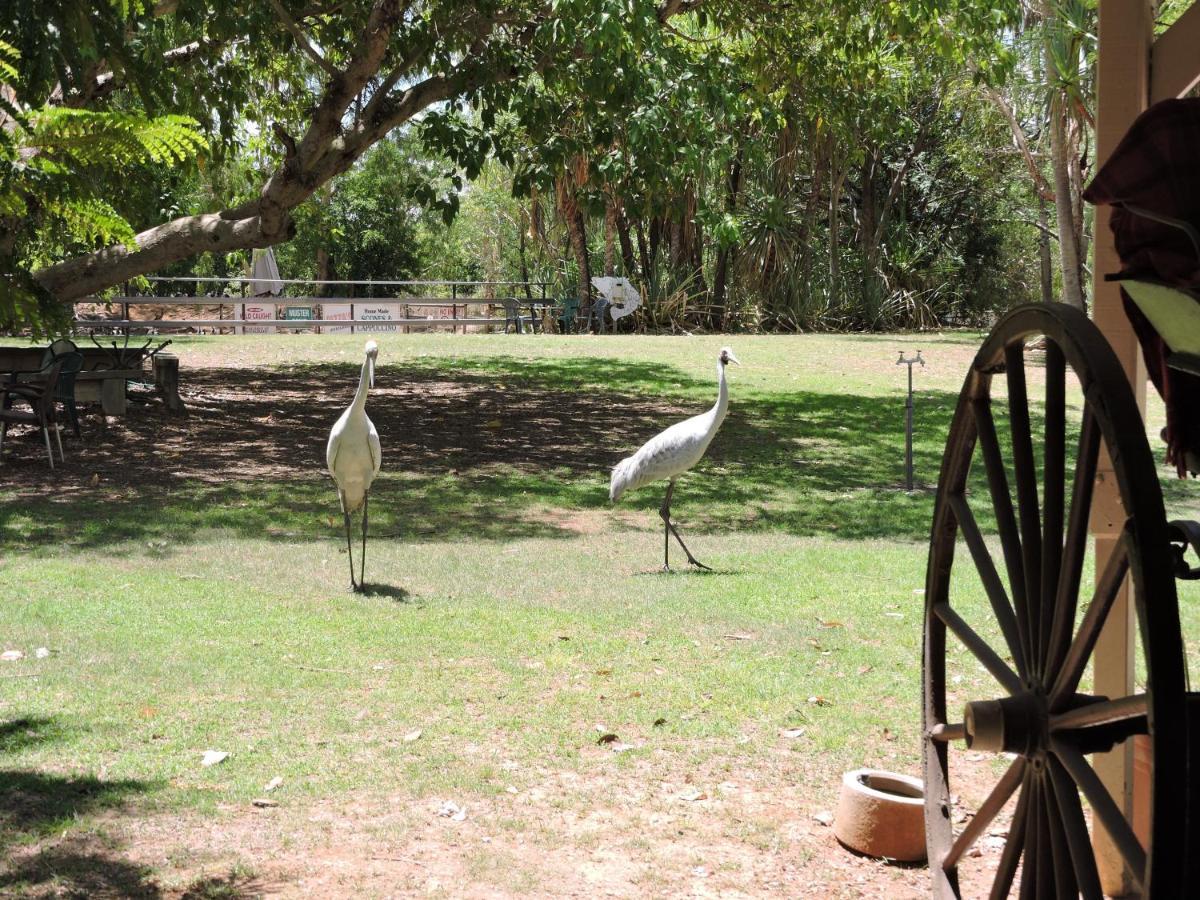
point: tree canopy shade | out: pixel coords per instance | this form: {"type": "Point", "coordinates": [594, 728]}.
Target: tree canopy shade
{"type": "Point", "coordinates": [617, 91]}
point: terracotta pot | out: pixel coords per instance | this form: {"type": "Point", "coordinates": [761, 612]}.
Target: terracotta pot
{"type": "Point", "coordinates": [882, 814]}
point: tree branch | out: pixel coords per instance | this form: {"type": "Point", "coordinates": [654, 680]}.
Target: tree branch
{"type": "Point", "coordinates": [669, 8]}
{"type": "Point", "coordinates": [294, 29]}
{"type": "Point", "coordinates": [1018, 133]}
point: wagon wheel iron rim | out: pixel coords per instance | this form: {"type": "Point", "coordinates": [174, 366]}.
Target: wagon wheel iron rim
{"type": "Point", "coordinates": [1036, 714]}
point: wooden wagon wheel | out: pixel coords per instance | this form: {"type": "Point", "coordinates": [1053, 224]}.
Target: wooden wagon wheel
{"type": "Point", "coordinates": [1036, 714]}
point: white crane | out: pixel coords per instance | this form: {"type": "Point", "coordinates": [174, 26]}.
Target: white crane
{"type": "Point", "coordinates": [353, 458]}
{"type": "Point", "coordinates": [671, 453]}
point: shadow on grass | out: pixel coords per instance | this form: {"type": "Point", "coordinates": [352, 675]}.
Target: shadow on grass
{"type": "Point", "coordinates": [85, 867]}
{"type": "Point", "coordinates": [399, 594]}
{"type": "Point", "coordinates": [476, 449]}
{"type": "Point", "coordinates": [33, 803]}
{"type": "Point", "coordinates": [19, 734]}
{"type": "Point", "coordinates": [77, 868]}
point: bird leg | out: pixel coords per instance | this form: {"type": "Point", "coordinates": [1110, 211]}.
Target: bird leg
{"type": "Point", "coordinates": [363, 562]}
{"type": "Point", "coordinates": [349, 549]}
{"type": "Point", "coordinates": [665, 512]}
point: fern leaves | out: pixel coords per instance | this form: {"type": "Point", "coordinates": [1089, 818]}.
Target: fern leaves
{"type": "Point", "coordinates": [82, 138]}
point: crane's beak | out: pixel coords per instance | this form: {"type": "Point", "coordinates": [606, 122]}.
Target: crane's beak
{"type": "Point", "coordinates": [733, 359]}
{"type": "Point", "coordinates": [371, 371]}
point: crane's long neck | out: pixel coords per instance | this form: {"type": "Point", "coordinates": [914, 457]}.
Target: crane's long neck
{"type": "Point", "coordinates": [364, 382]}
{"type": "Point", "coordinates": [722, 404]}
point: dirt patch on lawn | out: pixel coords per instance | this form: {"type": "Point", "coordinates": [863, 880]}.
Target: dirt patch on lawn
{"type": "Point", "coordinates": [642, 831]}
{"type": "Point", "coordinates": [272, 425]}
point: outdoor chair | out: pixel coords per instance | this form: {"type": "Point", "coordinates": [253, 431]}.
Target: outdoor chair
{"type": "Point", "coordinates": [40, 397]}
{"type": "Point", "coordinates": [568, 318]}
{"type": "Point", "coordinates": [72, 365]}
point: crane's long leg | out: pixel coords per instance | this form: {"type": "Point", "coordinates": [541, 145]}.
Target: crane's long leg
{"type": "Point", "coordinates": [363, 562]}
{"type": "Point", "coordinates": [665, 512]}
{"type": "Point", "coordinates": [349, 549]}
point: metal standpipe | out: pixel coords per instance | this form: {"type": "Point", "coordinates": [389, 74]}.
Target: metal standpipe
{"type": "Point", "coordinates": [908, 417]}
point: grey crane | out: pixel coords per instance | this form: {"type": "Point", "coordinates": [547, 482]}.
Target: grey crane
{"type": "Point", "coordinates": [671, 453]}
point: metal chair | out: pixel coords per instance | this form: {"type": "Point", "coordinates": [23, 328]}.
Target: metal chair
{"type": "Point", "coordinates": [66, 380]}
{"type": "Point", "coordinates": [40, 397]}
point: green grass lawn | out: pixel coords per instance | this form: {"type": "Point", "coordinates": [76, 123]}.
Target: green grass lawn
{"type": "Point", "coordinates": [189, 578]}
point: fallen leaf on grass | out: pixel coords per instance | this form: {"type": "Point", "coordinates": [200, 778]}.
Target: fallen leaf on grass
{"type": "Point", "coordinates": [889, 735]}
{"type": "Point", "coordinates": [412, 736]}
{"type": "Point", "coordinates": [824, 817]}
{"type": "Point", "coordinates": [212, 757]}
{"type": "Point", "coordinates": [272, 784]}
{"type": "Point", "coordinates": [863, 670]}
{"type": "Point", "coordinates": [604, 671]}
{"type": "Point", "coordinates": [820, 701]}
{"type": "Point", "coordinates": [832, 623]}
{"type": "Point", "coordinates": [741, 636]}
{"type": "Point", "coordinates": [659, 722]}
{"type": "Point", "coordinates": [621, 748]}
{"type": "Point", "coordinates": [693, 795]}
{"type": "Point", "coordinates": [12, 655]}
{"type": "Point", "coordinates": [264, 802]}
{"type": "Point", "coordinates": [41, 653]}
{"type": "Point", "coordinates": [792, 732]}
{"type": "Point", "coordinates": [607, 738]}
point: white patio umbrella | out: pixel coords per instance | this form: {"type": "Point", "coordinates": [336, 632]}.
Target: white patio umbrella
{"type": "Point", "coordinates": [264, 274]}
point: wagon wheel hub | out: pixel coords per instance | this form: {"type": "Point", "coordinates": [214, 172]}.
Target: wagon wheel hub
{"type": "Point", "coordinates": [1018, 724]}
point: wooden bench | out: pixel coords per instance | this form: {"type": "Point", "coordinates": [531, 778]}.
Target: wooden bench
{"type": "Point", "coordinates": [97, 381]}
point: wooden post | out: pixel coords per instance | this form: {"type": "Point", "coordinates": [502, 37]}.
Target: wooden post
{"type": "Point", "coordinates": [1123, 92]}
{"type": "Point", "coordinates": [166, 378]}
{"type": "Point", "coordinates": [112, 396]}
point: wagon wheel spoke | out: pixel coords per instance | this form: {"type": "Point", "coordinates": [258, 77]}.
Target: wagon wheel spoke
{"type": "Point", "coordinates": [1013, 847]}
{"type": "Point", "coordinates": [1006, 521]}
{"type": "Point", "coordinates": [1027, 495]}
{"type": "Point", "coordinates": [1083, 860]}
{"type": "Point", "coordinates": [1104, 807]}
{"type": "Point", "coordinates": [1130, 711]}
{"type": "Point", "coordinates": [1063, 871]}
{"type": "Point", "coordinates": [986, 813]}
{"type": "Point", "coordinates": [1084, 643]}
{"type": "Point", "coordinates": [1054, 484]}
{"type": "Point", "coordinates": [980, 648]}
{"type": "Point", "coordinates": [1035, 821]}
{"type": "Point", "coordinates": [991, 579]}
{"type": "Point", "coordinates": [1071, 566]}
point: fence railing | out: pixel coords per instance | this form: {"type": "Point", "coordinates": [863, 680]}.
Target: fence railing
{"type": "Point", "coordinates": [355, 305]}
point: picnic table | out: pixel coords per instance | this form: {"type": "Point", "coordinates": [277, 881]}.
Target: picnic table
{"type": "Point", "coordinates": [99, 381]}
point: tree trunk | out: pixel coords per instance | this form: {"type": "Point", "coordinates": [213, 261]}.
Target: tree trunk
{"type": "Point", "coordinates": [610, 238]}
{"type": "Point", "coordinates": [626, 246]}
{"type": "Point", "coordinates": [578, 233]}
{"type": "Point", "coordinates": [1046, 263]}
{"type": "Point", "coordinates": [644, 252]}
{"type": "Point", "coordinates": [524, 263]}
{"type": "Point", "coordinates": [719, 312]}
{"type": "Point", "coordinates": [324, 270]}
{"type": "Point", "coordinates": [835, 201]}
{"type": "Point", "coordinates": [1068, 242]}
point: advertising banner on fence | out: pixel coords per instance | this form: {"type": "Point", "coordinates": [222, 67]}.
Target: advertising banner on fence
{"type": "Point", "coordinates": [258, 312]}
{"type": "Point", "coordinates": [377, 313]}
{"type": "Point", "coordinates": [341, 312]}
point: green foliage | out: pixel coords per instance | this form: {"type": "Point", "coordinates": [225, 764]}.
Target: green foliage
{"type": "Point", "coordinates": [53, 165]}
